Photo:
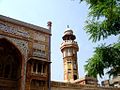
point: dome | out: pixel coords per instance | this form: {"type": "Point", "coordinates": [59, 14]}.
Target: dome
{"type": "Point", "coordinates": [68, 33]}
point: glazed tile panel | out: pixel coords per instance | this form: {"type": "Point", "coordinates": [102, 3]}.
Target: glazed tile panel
{"type": "Point", "coordinates": [13, 30]}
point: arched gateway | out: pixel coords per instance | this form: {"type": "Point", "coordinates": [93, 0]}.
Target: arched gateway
{"type": "Point", "coordinates": [10, 66]}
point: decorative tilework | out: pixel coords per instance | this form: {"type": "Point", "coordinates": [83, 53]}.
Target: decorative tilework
{"type": "Point", "coordinates": [39, 37]}
{"type": "Point", "coordinates": [39, 53]}
{"type": "Point", "coordinates": [12, 30]}
{"type": "Point", "coordinates": [22, 45]}
{"type": "Point", "coordinates": [38, 46]}
{"type": "Point", "coordinates": [39, 50]}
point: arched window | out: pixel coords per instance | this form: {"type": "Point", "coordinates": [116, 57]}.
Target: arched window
{"type": "Point", "coordinates": [34, 67]}
{"type": "Point", "coordinates": [39, 67]}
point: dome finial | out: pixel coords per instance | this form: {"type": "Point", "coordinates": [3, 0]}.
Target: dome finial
{"type": "Point", "coordinates": [49, 24]}
{"type": "Point", "coordinates": [68, 26]}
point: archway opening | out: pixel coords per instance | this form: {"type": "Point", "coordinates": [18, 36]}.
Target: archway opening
{"type": "Point", "coordinates": [10, 66]}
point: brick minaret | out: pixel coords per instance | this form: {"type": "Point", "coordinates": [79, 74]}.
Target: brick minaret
{"type": "Point", "coordinates": [69, 49]}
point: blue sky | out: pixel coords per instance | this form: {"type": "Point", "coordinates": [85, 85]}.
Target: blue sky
{"type": "Point", "coordinates": [61, 13]}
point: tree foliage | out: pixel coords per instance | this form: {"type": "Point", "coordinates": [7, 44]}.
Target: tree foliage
{"type": "Point", "coordinates": [104, 21]}
{"type": "Point", "coordinates": [105, 57]}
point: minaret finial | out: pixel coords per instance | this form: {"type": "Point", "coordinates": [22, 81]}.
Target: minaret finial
{"type": "Point", "coordinates": [68, 26]}
{"type": "Point", "coordinates": [49, 24]}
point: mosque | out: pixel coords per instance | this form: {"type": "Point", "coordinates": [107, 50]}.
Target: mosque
{"type": "Point", "coordinates": [25, 61]}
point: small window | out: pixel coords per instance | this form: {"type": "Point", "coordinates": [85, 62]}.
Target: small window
{"type": "Point", "coordinates": [44, 68]}
{"type": "Point", "coordinates": [39, 67]}
{"type": "Point", "coordinates": [69, 70]}
{"type": "Point", "coordinates": [75, 66]}
{"type": "Point", "coordinates": [34, 67]}
{"type": "Point", "coordinates": [68, 61]}
{"type": "Point", "coordinates": [75, 77]}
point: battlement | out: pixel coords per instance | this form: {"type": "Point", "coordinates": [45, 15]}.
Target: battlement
{"type": "Point", "coordinates": [69, 43]}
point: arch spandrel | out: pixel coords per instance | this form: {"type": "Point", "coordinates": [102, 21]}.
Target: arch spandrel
{"type": "Point", "coordinates": [21, 45]}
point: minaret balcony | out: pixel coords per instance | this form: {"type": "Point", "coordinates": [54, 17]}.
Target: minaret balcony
{"type": "Point", "coordinates": [69, 43]}
{"type": "Point", "coordinates": [66, 42]}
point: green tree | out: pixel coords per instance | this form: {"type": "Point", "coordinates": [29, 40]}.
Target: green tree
{"type": "Point", "coordinates": [104, 21]}
{"type": "Point", "coordinates": [104, 18]}
{"type": "Point", "coordinates": [105, 57]}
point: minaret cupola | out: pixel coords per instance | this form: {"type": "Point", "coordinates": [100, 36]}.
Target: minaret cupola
{"type": "Point", "coordinates": [68, 35]}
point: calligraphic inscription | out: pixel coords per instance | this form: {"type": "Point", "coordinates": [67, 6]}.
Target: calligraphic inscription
{"type": "Point", "coordinates": [15, 31]}
{"type": "Point", "coordinates": [39, 37]}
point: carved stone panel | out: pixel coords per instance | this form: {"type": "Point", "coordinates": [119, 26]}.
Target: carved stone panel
{"type": "Point", "coordinates": [39, 37]}
{"type": "Point", "coordinates": [39, 46]}
{"type": "Point", "coordinates": [39, 53]}
{"type": "Point", "coordinates": [39, 50]}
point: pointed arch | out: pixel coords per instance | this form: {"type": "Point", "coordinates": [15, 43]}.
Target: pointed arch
{"type": "Point", "coordinates": [11, 43]}
{"type": "Point", "coordinates": [10, 65]}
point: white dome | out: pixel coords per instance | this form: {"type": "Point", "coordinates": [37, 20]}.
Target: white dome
{"type": "Point", "coordinates": [68, 31]}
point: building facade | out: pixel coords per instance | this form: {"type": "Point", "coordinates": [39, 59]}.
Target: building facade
{"type": "Point", "coordinates": [24, 55]}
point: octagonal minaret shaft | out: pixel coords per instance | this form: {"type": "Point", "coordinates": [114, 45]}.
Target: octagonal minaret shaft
{"type": "Point", "coordinates": [69, 49]}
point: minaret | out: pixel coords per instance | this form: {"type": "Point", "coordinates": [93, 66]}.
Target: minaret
{"type": "Point", "coordinates": [69, 49]}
